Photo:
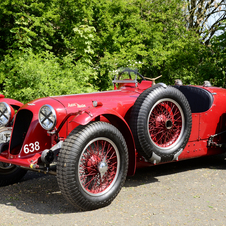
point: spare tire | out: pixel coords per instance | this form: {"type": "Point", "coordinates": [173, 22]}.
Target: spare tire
{"type": "Point", "coordinates": [161, 123]}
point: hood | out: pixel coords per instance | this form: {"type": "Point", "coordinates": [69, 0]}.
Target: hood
{"type": "Point", "coordinates": [108, 99]}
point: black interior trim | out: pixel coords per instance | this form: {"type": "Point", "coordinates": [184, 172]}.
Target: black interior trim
{"type": "Point", "coordinates": [200, 100]}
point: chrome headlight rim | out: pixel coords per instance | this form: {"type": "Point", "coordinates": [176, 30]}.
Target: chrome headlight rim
{"type": "Point", "coordinates": [6, 113]}
{"type": "Point", "coordinates": [51, 113]}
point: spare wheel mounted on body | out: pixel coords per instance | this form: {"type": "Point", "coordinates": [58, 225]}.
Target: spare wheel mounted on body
{"type": "Point", "coordinates": [161, 123]}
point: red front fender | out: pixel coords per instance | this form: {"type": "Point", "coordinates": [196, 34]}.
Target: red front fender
{"type": "Point", "coordinates": [99, 113]}
{"type": "Point", "coordinates": [14, 103]}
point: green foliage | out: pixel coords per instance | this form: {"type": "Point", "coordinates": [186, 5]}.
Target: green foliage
{"type": "Point", "coordinates": [63, 46]}
{"type": "Point", "coordinates": [150, 36]}
{"type": "Point", "coordinates": [30, 76]}
{"type": "Point", "coordinates": [218, 55]}
{"type": "Point", "coordinates": [29, 24]}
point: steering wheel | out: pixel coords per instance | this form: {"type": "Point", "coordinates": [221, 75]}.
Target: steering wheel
{"type": "Point", "coordinates": [118, 80]}
{"type": "Point", "coordinates": [129, 71]}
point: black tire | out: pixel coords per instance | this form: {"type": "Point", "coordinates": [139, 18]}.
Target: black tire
{"type": "Point", "coordinates": [10, 174]}
{"type": "Point", "coordinates": [161, 123]}
{"type": "Point", "coordinates": [92, 165]}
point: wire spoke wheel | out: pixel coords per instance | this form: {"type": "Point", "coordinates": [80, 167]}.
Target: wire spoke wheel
{"type": "Point", "coordinates": [166, 123]}
{"type": "Point", "coordinates": [92, 165]}
{"type": "Point", "coordinates": [161, 123]}
{"type": "Point", "coordinates": [98, 166]}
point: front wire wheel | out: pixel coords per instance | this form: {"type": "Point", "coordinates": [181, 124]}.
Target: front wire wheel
{"type": "Point", "coordinates": [98, 166]}
{"type": "Point", "coordinates": [92, 165]}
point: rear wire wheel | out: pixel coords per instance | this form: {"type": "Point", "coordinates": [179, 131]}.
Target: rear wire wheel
{"type": "Point", "coordinates": [166, 123]}
{"type": "Point", "coordinates": [92, 165]}
{"type": "Point", "coordinates": [161, 123]}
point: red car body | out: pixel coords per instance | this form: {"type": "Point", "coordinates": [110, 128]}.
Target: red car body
{"type": "Point", "coordinates": [76, 141]}
{"type": "Point", "coordinates": [14, 104]}
{"type": "Point", "coordinates": [74, 110]}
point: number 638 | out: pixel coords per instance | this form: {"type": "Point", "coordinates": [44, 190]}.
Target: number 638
{"type": "Point", "coordinates": [31, 147]}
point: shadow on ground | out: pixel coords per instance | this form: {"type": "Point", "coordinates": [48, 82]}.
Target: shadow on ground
{"type": "Point", "coordinates": [39, 194]}
{"type": "Point", "coordinates": [149, 174]}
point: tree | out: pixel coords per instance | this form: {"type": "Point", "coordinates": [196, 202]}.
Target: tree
{"type": "Point", "coordinates": [31, 76]}
{"type": "Point", "coordinates": [36, 44]}
{"type": "Point", "coordinates": [144, 34]}
{"type": "Point", "coordinates": [218, 53]}
{"type": "Point", "coordinates": [205, 17]}
{"type": "Point", "coordinates": [96, 37]}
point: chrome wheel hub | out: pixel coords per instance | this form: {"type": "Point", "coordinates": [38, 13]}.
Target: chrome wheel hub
{"type": "Point", "coordinates": [103, 167]}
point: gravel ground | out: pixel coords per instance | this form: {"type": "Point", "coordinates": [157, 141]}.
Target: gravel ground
{"type": "Point", "coordinates": [190, 192]}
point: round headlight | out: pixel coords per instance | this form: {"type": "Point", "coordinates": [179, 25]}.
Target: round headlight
{"type": "Point", "coordinates": [5, 113]}
{"type": "Point", "coordinates": [47, 117]}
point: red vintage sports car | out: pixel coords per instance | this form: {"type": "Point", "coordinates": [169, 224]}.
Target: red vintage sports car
{"type": "Point", "coordinates": [91, 142]}
{"type": "Point", "coordinates": [7, 113]}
